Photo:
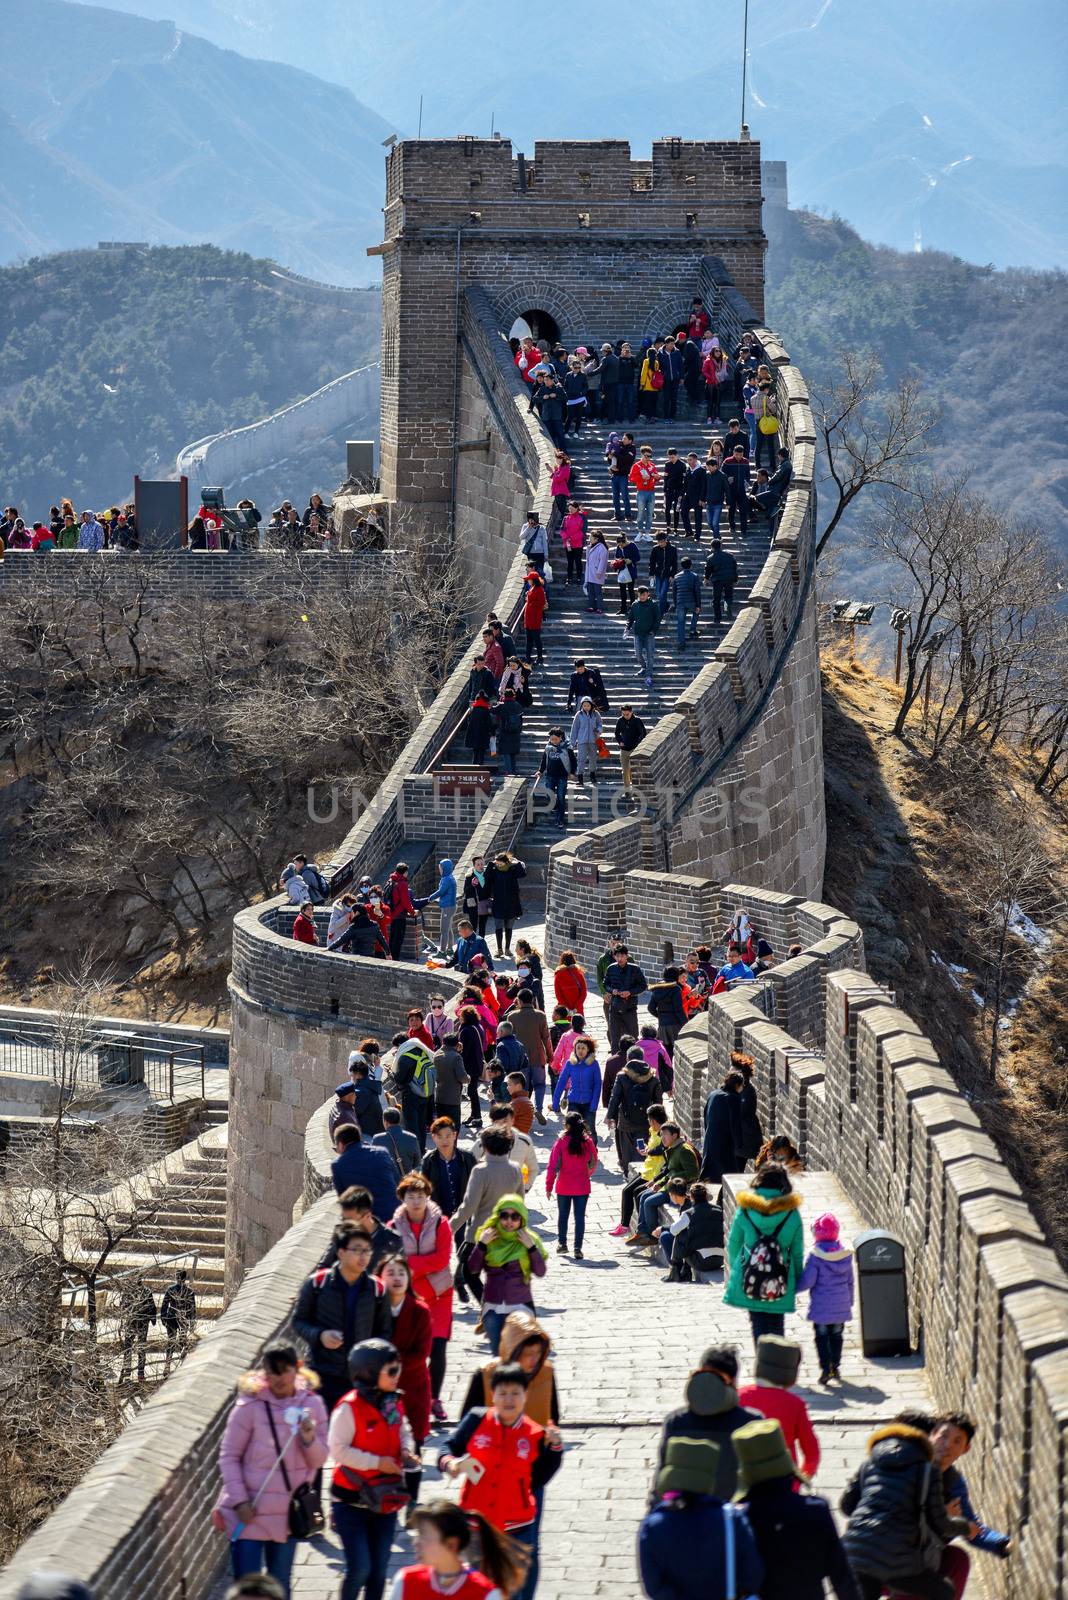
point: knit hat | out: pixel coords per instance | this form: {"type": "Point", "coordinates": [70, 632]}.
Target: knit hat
{"type": "Point", "coordinates": [777, 1360]}
{"type": "Point", "coordinates": [689, 1466]}
{"type": "Point", "coordinates": [762, 1456]}
{"type": "Point", "coordinates": [825, 1228]}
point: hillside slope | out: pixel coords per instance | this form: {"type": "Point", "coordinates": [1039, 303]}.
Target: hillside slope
{"type": "Point", "coordinates": [896, 861]}
{"type": "Point", "coordinates": [133, 129]}
{"type": "Point", "coordinates": [113, 361]}
{"type": "Point", "coordinates": [984, 342]}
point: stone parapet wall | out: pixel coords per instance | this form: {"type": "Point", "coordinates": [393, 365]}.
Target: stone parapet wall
{"type": "Point", "coordinates": [162, 577]}
{"type": "Point", "coordinates": [137, 1526]}
{"type": "Point", "coordinates": [862, 1093]}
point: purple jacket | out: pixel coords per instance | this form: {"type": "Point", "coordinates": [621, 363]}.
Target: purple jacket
{"type": "Point", "coordinates": [248, 1452]}
{"type": "Point", "coordinates": [506, 1286]}
{"type": "Point", "coordinates": [829, 1275]}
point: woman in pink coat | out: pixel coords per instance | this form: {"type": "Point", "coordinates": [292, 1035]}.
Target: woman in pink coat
{"type": "Point", "coordinates": [571, 1163]}
{"type": "Point", "coordinates": [255, 1495]}
{"type": "Point", "coordinates": [427, 1239]}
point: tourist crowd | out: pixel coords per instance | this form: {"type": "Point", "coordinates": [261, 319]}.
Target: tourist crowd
{"type": "Point", "coordinates": [338, 1426]}
{"type": "Point", "coordinates": [116, 529]}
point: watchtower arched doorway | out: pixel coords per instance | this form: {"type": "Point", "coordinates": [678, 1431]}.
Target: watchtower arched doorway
{"type": "Point", "coordinates": [535, 325]}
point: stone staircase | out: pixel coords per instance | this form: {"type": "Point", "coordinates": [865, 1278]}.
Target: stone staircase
{"type": "Point", "coordinates": [569, 632]}
{"type": "Point", "coordinates": [183, 1225]}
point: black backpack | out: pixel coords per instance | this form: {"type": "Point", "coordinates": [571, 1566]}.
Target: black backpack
{"type": "Point", "coordinates": [765, 1275]}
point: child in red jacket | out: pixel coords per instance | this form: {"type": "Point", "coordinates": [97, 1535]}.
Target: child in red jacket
{"type": "Point", "coordinates": [777, 1364]}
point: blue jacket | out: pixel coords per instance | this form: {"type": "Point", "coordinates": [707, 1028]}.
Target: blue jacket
{"type": "Point", "coordinates": [466, 949]}
{"type": "Point", "coordinates": [511, 1057]}
{"type": "Point", "coordinates": [682, 1553]}
{"type": "Point", "coordinates": [687, 587]}
{"type": "Point", "coordinates": [373, 1169]}
{"type": "Point", "coordinates": [581, 1080]}
{"type": "Point", "coordinates": [955, 1488]}
{"type": "Point", "coordinates": [446, 893]}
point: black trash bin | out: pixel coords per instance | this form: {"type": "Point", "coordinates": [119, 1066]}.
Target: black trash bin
{"type": "Point", "coordinates": [120, 1058]}
{"type": "Point", "coordinates": [883, 1289]}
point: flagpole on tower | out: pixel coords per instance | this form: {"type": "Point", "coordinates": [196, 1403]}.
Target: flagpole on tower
{"type": "Point", "coordinates": [745, 55]}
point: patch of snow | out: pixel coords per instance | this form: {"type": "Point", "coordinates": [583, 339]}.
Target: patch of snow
{"type": "Point", "coordinates": [956, 976]}
{"type": "Point", "coordinates": [1029, 931]}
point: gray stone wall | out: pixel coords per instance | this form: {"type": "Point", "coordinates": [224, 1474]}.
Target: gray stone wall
{"type": "Point", "coordinates": [167, 576]}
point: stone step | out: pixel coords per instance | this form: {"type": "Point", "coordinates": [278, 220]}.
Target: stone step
{"type": "Point", "coordinates": [209, 1270]}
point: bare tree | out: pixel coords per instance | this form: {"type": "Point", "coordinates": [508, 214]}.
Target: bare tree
{"type": "Point", "coordinates": [870, 438]}
{"type": "Point", "coordinates": [1011, 893]}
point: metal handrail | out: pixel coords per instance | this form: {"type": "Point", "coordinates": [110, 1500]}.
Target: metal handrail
{"type": "Point", "coordinates": [104, 1283]}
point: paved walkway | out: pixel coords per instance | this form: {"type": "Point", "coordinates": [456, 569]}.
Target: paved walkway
{"type": "Point", "coordinates": [625, 1345]}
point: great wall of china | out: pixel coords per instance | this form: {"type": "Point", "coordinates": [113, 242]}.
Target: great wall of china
{"type": "Point", "coordinates": [473, 237]}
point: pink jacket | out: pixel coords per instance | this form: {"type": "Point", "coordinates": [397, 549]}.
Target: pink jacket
{"type": "Point", "coordinates": [568, 1173]}
{"type": "Point", "coordinates": [563, 1049]}
{"type": "Point", "coordinates": [656, 1059]}
{"type": "Point", "coordinates": [573, 531]}
{"type": "Point", "coordinates": [248, 1452]}
{"type": "Point", "coordinates": [561, 479]}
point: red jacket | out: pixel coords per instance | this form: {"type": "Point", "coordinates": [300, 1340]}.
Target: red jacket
{"type": "Point", "coordinates": [644, 475]}
{"type": "Point", "coordinates": [535, 603]}
{"type": "Point", "coordinates": [370, 1432]}
{"type": "Point", "coordinates": [569, 985]}
{"type": "Point", "coordinates": [304, 931]}
{"type": "Point", "coordinates": [417, 1583]}
{"type": "Point", "coordinates": [402, 896]}
{"type": "Point", "coordinates": [503, 1493]}
{"type": "Point", "coordinates": [413, 1337]}
{"type": "Point", "coordinates": [791, 1412]}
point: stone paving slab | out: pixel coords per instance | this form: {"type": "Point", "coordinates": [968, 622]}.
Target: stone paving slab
{"type": "Point", "coordinates": [626, 1343]}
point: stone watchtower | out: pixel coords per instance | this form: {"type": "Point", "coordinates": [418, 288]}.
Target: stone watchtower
{"type": "Point", "coordinates": [581, 242]}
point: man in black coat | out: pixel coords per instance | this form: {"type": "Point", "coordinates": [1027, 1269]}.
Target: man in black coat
{"type": "Point", "coordinates": [624, 984]}
{"type": "Point", "coordinates": [736, 470]}
{"type": "Point", "coordinates": [694, 488]}
{"type": "Point", "coordinates": [368, 1102]}
{"type": "Point", "coordinates": [691, 370]}
{"type": "Point", "coordinates": [337, 1308]}
{"type": "Point", "coordinates": [769, 497]}
{"type": "Point", "coordinates": [671, 367]}
{"type": "Point", "coordinates": [711, 1412]}
{"type": "Point", "coordinates": [587, 681]}
{"type": "Point", "coordinates": [673, 480]}
{"type": "Point", "coordinates": [609, 383]}
{"type": "Point", "coordinates": [355, 1206]}
{"type": "Point", "coordinates": [723, 1134]}
{"type": "Point", "coordinates": [721, 571]}
{"type": "Point", "coordinates": [480, 680]}
{"type": "Point", "coordinates": [630, 731]}
{"type": "Point", "coordinates": [794, 1532]}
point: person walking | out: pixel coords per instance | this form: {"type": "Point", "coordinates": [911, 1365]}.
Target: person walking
{"type": "Point", "coordinates": [413, 1073]}
{"type": "Point", "coordinates": [692, 1545]}
{"type": "Point", "coordinates": [674, 478]}
{"type": "Point", "coordinates": [530, 1027]}
{"type": "Point", "coordinates": [560, 488]}
{"type": "Point", "coordinates": [586, 734]}
{"type": "Point", "coordinates": [506, 904]}
{"type": "Point", "coordinates": [610, 407]}
{"type": "Point", "coordinates": [573, 539]}
{"type": "Point", "coordinates": [339, 1306]}
{"type": "Point", "coordinates": [371, 1443]}
{"type": "Point", "coordinates": [580, 1080]}
{"type": "Point", "coordinates": [441, 1534]}
{"type": "Point", "coordinates": [722, 1128]}
{"type": "Point", "coordinates": [620, 453]}
{"type": "Point", "coordinates": [624, 984]}
{"type": "Point", "coordinates": [630, 731]}
{"type": "Point", "coordinates": [778, 1362]}
{"type": "Point", "coordinates": [721, 571]}
{"type": "Point", "coordinates": [401, 906]}
{"type": "Point", "coordinates": [178, 1315]}
{"type": "Point", "coordinates": [686, 597]}
{"type": "Point", "coordinates": [663, 565]}
{"type": "Point", "coordinates": [569, 982]}
{"type": "Point", "coordinates": [624, 565]}
{"type": "Point", "coordinates": [794, 1532]}
{"type": "Point", "coordinates": [508, 722]}
{"type": "Point", "coordinates": [510, 1255]}
{"type": "Point", "coordinates": [712, 1411]}
{"type": "Point", "coordinates": [505, 1459]}
{"type": "Point", "coordinates": [716, 489]}
{"type": "Point", "coordinates": [692, 496]}
{"type": "Point", "coordinates": [534, 542]}
{"type": "Point", "coordinates": [765, 1250]}
{"type": "Point", "coordinates": [665, 1004]}
{"type": "Point", "coordinates": [828, 1280]}
{"type": "Point", "coordinates": [736, 470]}
{"type": "Point", "coordinates": [477, 896]}
{"type": "Point", "coordinates": [643, 623]}
{"type": "Point", "coordinates": [645, 475]}
{"type": "Point", "coordinates": [558, 764]}
{"type": "Point", "coordinates": [137, 1313]}
{"type": "Point", "coordinates": [572, 1161]}
{"type": "Point", "coordinates": [635, 1090]}
{"type": "Point", "coordinates": [412, 1336]}
{"type": "Point", "coordinates": [596, 570]}
{"type": "Point", "coordinates": [273, 1444]}
{"type": "Point", "coordinates": [426, 1237]}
